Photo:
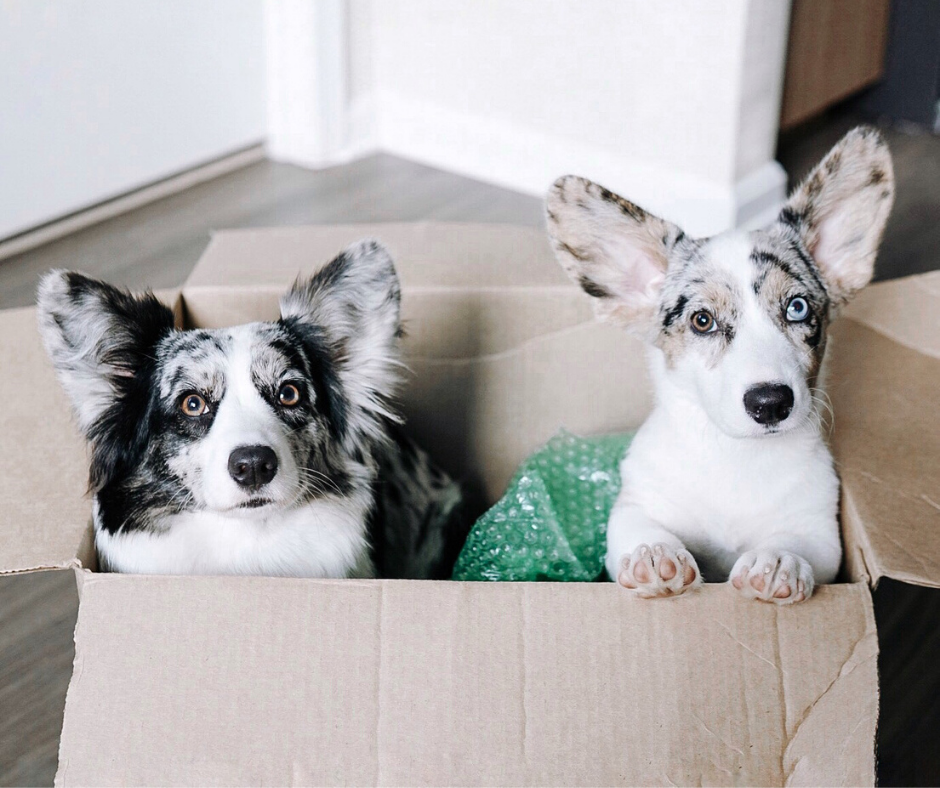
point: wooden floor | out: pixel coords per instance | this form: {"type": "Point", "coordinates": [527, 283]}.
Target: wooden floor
{"type": "Point", "coordinates": [37, 617]}
{"type": "Point", "coordinates": [158, 245]}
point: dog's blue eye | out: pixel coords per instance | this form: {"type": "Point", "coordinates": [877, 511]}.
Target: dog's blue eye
{"type": "Point", "coordinates": [797, 310]}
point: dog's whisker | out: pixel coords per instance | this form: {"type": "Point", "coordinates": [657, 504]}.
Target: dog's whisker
{"type": "Point", "coordinates": [822, 400]}
{"type": "Point", "coordinates": [316, 477]}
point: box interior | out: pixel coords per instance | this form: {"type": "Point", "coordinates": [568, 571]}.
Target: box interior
{"type": "Point", "coordinates": [884, 384]}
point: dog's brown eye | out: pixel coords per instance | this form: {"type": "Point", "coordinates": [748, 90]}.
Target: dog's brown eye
{"type": "Point", "coordinates": [703, 322]}
{"type": "Point", "coordinates": [193, 405]}
{"type": "Point", "coordinates": [289, 395]}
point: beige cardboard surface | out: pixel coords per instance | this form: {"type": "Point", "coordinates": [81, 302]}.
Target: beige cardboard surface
{"type": "Point", "coordinates": [458, 275]}
{"type": "Point", "coordinates": [886, 441]}
{"type": "Point", "coordinates": [431, 254]}
{"type": "Point", "coordinates": [43, 462]}
{"type": "Point", "coordinates": [45, 512]}
{"type": "Point", "coordinates": [481, 417]}
{"type": "Point", "coordinates": [884, 382]}
{"type": "Point", "coordinates": [249, 681]}
{"type": "Point", "coordinates": [904, 310]}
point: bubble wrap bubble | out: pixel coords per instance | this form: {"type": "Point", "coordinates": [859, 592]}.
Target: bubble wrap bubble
{"type": "Point", "coordinates": [551, 524]}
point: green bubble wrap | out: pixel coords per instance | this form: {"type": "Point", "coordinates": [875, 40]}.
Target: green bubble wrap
{"type": "Point", "coordinates": [552, 522]}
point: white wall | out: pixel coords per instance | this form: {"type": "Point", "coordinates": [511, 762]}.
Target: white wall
{"type": "Point", "coordinates": [102, 96]}
{"type": "Point", "coordinates": [673, 103]}
{"type": "Point", "coordinates": [306, 44]}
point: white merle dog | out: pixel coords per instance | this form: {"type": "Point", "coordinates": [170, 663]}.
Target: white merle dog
{"type": "Point", "coordinates": [268, 448]}
{"type": "Point", "coordinates": [730, 474]}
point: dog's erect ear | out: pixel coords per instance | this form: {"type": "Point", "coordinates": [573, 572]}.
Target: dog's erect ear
{"type": "Point", "coordinates": [614, 249]}
{"type": "Point", "coordinates": [99, 338]}
{"type": "Point", "coordinates": [354, 304]}
{"type": "Point", "coordinates": [841, 209]}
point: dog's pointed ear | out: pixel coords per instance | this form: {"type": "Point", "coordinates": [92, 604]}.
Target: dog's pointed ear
{"type": "Point", "coordinates": [98, 337]}
{"type": "Point", "coordinates": [617, 252]}
{"type": "Point", "coordinates": [352, 306]}
{"type": "Point", "coordinates": [841, 209]}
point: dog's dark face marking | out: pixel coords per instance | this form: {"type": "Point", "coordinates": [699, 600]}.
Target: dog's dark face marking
{"type": "Point", "coordinates": [778, 270]}
{"type": "Point", "coordinates": [165, 409]}
{"type": "Point", "coordinates": [699, 308]}
{"type": "Point", "coordinates": [239, 378]}
{"type": "Point", "coordinates": [235, 376]}
{"type": "Point", "coordinates": [786, 274]}
{"type": "Point", "coordinates": [742, 309]}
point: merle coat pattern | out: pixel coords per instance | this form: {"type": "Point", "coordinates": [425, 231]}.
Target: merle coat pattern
{"type": "Point", "coordinates": [268, 448]}
{"type": "Point", "coordinates": [730, 476]}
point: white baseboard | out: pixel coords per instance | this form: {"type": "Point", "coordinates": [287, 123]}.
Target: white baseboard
{"type": "Point", "coordinates": [518, 158]}
{"type": "Point", "coordinates": [95, 214]}
{"type": "Point", "coordinates": [494, 151]}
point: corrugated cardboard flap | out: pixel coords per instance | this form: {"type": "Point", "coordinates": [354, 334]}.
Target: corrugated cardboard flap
{"type": "Point", "coordinates": [43, 460]}
{"type": "Point", "coordinates": [428, 254]}
{"type": "Point", "coordinates": [248, 681]}
{"type": "Point", "coordinates": [446, 259]}
{"type": "Point", "coordinates": [884, 382]}
{"type": "Point", "coordinates": [43, 463]}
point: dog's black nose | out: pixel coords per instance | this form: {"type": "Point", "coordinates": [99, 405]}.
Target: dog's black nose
{"type": "Point", "coordinates": [252, 466]}
{"type": "Point", "coordinates": [768, 403]}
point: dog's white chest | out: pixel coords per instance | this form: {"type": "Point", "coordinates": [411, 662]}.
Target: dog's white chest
{"type": "Point", "coordinates": [325, 538]}
{"type": "Point", "coordinates": [723, 495]}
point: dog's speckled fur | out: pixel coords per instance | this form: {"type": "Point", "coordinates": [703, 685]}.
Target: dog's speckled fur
{"type": "Point", "coordinates": [351, 493]}
{"type": "Point", "coordinates": [706, 481]}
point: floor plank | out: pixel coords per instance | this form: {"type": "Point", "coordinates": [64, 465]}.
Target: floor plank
{"type": "Point", "coordinates": [37, 617]}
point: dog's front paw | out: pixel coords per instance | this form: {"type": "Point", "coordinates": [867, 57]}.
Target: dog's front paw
{"type": "Point", "coordinates": [773, 576]}
{"type": "Point", "coordinates": [659, 570]}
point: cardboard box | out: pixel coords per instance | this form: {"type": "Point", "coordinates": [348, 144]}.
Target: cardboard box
{"type": "Point", "coordinates": [238, 680]}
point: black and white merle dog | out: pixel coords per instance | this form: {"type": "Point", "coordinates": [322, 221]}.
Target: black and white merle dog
{"type": "Point", "coordinates": [269, 448]}
{"type": "Point", "coordinates": [730, 473]}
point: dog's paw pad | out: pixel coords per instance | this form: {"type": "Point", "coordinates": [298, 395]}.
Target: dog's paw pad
{"type": "Point", "coordinates": [667, 569]}
{"type": "Point", "coordinates": [658, 570]}
{"type": "Point", "coordinates": [773, 576]}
